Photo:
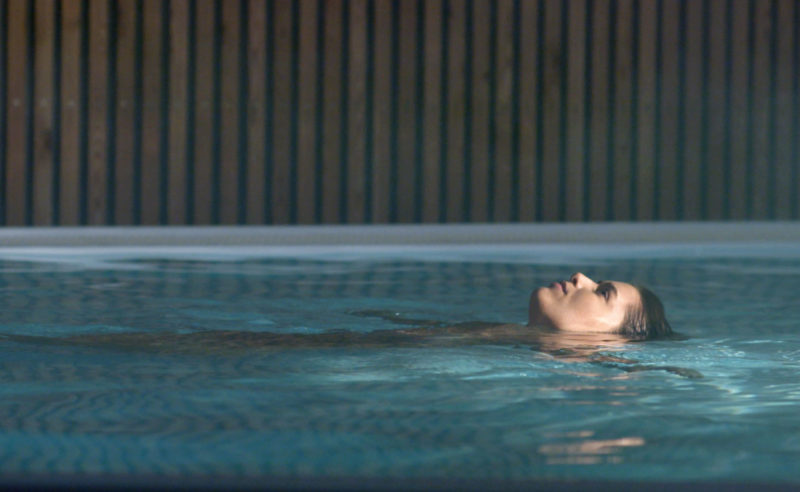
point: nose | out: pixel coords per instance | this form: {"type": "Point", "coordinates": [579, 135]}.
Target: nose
{"type": "Point", "coordinates": [581, 281]}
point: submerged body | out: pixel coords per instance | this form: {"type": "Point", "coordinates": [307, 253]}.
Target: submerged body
{"type": "Point", "coordinates": [431, 335]}
{"type": "Point", "coordinates": [595, 348]}
{"type": "Point", "coordinates": [574, 313]}
{"type": "Point", "coordinates": [577, 320]}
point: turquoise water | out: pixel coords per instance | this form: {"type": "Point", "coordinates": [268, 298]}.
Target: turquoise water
{"type": "Point", "coordinates": [483, 412]}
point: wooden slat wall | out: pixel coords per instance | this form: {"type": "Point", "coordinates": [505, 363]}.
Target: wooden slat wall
{"type": "Point", "coordinates": [332, 111]}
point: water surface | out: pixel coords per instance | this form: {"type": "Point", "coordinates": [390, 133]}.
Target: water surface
{"type": "Point", "coordinates": [483, 412]}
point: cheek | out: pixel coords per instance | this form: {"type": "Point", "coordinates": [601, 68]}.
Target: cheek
{"type": "Point", "coordinates": [582, 305]}
{"type": "Point", "coordinates": [578, 312]}
{"type": "Point", "coordinates": [589, 314]}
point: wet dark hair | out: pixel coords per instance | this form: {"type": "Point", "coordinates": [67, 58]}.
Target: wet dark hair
{"type": "Point", "coordinates": [647, 321]}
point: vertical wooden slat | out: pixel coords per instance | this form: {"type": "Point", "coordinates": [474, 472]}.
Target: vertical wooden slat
{"type": "Point", "coordinates": [43, 134]}
{"type": "Point", "coordinates": [178, 86]}
{"type": "Point", "coordinates": [669, 99]}
{"type": "Point", "coordinates": [256, 111]}
{"type": "Point", "coordinates": [204, 112]}
{"type": "Point", "coordinates": [282, 116]}
{"type": "Point", "coordinates": [740, 60]}
{"type": "Point", "coordinates": [455, 111]}
{"type": "Point", "coordinates": [479, 139]}
{"type": "Point", "coordinates": [229, 130]}
{"type": "Point", "coordinates": [717, 112]}
{"type": "Point", "coordinates": [576, 80]}
{"type": "Point", "coordinates": [125, 112]}
{"type": "Point", "coordinates": [623, 89]}
{"type": "Point", "coordinates": [501, 163]}
{"type": "Point", "coordinates": [69, 176]}
{"type": "Point", "coordinates": [407, 94]}
{"type": "Point", "coordinates": [435, 116]}
{"type": "Point", "coordinates": [151, 113]}
{"type": "Point", "coordinates": [761, 106]}
{"type": "Point", "coordinates": [783, 106]}
{"type": "Point", "coordinates": [98, 116]}
{"type": "Point", "coordinates": [381, 111]}
{"type": "Point", "coordinates": [307, 117]}
{"type": "Point", "coordinates": [3, 108]}
{"type": "Point", "coordinates": [332, 108]}
{"type": "Point", "coordinates": [357, 53]}
{"type": "Point", "coordinates": [528, 142]}
{"type": "Point", "coordinates": [692, 158]}
{"type": "Point", "coordinates": [645, 110]}
{"type": "Point", "coordinates": [16, 113]}
{"type": "Point", "coordinates": [598, 177]}
{"type": "Point", "coordinates": [554, 58]}
{"type": "Point", "coordinates": [795, 105]}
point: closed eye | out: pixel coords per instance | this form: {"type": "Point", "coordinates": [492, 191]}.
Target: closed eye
{"type": "Point", "coordinates": [606, 289]}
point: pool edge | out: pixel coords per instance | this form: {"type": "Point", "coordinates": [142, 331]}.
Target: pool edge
{"type": "Point", "coordinates": [176, 483]}
{"type": "Point", "coordinates": [403, 234]}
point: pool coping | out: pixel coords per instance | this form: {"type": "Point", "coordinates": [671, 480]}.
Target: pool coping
{"type": "Point", "coordinates": [404, 234]}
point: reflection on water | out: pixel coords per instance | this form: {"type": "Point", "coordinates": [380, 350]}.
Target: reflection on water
{"type": "Point", "coordinates": [585, 451]}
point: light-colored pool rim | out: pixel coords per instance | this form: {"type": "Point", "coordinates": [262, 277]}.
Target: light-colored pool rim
{"type": "Point", "coordinates": [416, 234]}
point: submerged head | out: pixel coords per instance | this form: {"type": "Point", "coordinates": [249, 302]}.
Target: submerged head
{"type": "Point", "coordinates": [583, 305]}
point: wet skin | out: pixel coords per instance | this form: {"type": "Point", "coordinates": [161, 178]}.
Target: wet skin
{"type": "Point", "coordinates": [581, 305]}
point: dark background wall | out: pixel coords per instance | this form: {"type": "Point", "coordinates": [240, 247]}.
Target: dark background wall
{"type": "Point", "coordinates": [268, 112]}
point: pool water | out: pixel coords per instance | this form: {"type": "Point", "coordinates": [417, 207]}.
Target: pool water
{"type": "Point", "coordinates": [468, 412]}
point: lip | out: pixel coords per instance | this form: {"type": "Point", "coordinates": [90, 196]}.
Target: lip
{"type": "Point", "coordinates": [562, 285]}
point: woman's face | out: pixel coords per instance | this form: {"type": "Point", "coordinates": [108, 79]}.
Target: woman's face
{"type": "Point", "coordinates": [582, 305]}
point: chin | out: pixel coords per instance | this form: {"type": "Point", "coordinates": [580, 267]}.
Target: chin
{"type": "Point", "coordinates": [535, 313]}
